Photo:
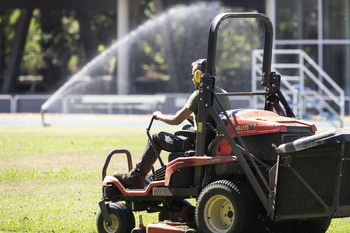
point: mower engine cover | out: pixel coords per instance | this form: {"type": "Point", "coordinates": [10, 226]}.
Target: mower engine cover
{"type": "Point", "coordinates": [263, 131]}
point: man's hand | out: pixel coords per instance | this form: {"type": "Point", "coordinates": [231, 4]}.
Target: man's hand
{"type": "Point", "coordinates": [157, 114]}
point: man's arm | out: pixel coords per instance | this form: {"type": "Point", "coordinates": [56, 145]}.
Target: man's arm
{"type": "Point", "coordinates": [176, 119]}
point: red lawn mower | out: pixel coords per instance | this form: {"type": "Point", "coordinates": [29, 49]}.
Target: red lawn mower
{"type": "Point", "coordinates": [263, 171]}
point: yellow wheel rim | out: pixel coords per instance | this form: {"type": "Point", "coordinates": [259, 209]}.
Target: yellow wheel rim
{"type": "Point", "coordinates": [115, 224]}
{"type": "Point", "coordinates": [219, 214]}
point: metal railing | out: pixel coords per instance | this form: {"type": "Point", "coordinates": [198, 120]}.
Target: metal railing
{"type": "Point", "coordinates": [309, 90]}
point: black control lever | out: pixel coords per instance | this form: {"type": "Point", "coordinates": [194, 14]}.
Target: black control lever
{"type": "Point", "coordinates": [151, 141]}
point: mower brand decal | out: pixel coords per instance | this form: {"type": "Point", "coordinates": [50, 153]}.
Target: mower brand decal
{"type": "Point", "coordinates": [246, 127]}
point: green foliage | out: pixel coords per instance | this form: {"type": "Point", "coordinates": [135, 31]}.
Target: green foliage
{"type": "Point", "coordinates": [32, 61]}
{"type": "Point", "coordinates": [179, 41]}
{"type": "Point", "coordinates": [103, 27]}
{"type": "Point", "coordinates": [54, 41]}
{"type": "Point", "coordinates": [150, 9]}
{"type": "Point", "coordinates": [8, 19]}
{"type": "Point", "coordinates": [61, 42]}
{"type": "Point", "coordinates": [288, 27]}
{"type": "Point", "coordinates": [168, 48]}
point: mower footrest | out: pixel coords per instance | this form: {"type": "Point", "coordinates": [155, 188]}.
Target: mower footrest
{"type": "Point", "coordinates": [165, 191]}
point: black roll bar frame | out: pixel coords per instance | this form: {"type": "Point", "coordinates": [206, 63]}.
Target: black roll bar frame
{"type": "Point", "coordinates": [273, 97]}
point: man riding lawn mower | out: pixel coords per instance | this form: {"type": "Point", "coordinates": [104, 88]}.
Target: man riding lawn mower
{"type": "Point", "coordinates": [250, 170]}
{"type": "Point", "coordinates": [166, 141]}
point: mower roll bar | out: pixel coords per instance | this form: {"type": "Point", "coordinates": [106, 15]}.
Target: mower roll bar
{"type": "Point", "coordinates": [213, 32]}
{"type": "Point", "coordinates": [208, 78]}
{"type": "Point", "coordinates": [270, 80]}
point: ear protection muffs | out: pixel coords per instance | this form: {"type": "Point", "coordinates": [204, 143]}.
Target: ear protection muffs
{"type": "Point", "coordinates": [197, 76]}
{"type": "Point", "coordinates": [198, 73]}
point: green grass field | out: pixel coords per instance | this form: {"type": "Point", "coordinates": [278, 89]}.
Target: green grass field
{"type": "Point", "coordinates": [50, 177]}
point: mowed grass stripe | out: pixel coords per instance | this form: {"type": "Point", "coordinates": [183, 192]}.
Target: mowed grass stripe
{"type": "Point", "coordinates": [14, 174]}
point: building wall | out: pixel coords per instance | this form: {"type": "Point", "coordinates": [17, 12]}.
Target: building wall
{"type": "Point", "coordinates": [319, 27]}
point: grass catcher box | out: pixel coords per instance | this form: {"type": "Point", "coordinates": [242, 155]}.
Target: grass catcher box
{"type": "Point", "coordinates": [314, 176]}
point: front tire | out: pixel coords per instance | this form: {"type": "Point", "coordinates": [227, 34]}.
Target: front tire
{"type": "Point", "coordinates": [123, 220]}
{"type": "Point", "coordinates": [224, 206]}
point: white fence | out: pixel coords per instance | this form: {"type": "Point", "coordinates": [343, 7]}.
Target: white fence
{"type": "Point", "coordinates": [106, 104]}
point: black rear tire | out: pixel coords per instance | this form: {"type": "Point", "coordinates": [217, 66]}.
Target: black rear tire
{"type": "Point", "coordinates": [224, 206]}
{"type": "Point", "coordinates": [316, 225]}
{"type": "Point", "coordinates": [123, 220]}
{"type": "Point", "coordinates": [301, 226]}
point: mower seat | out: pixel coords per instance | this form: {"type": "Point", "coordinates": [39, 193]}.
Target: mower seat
{"type": "Point", "coordinates": [191, 134]}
